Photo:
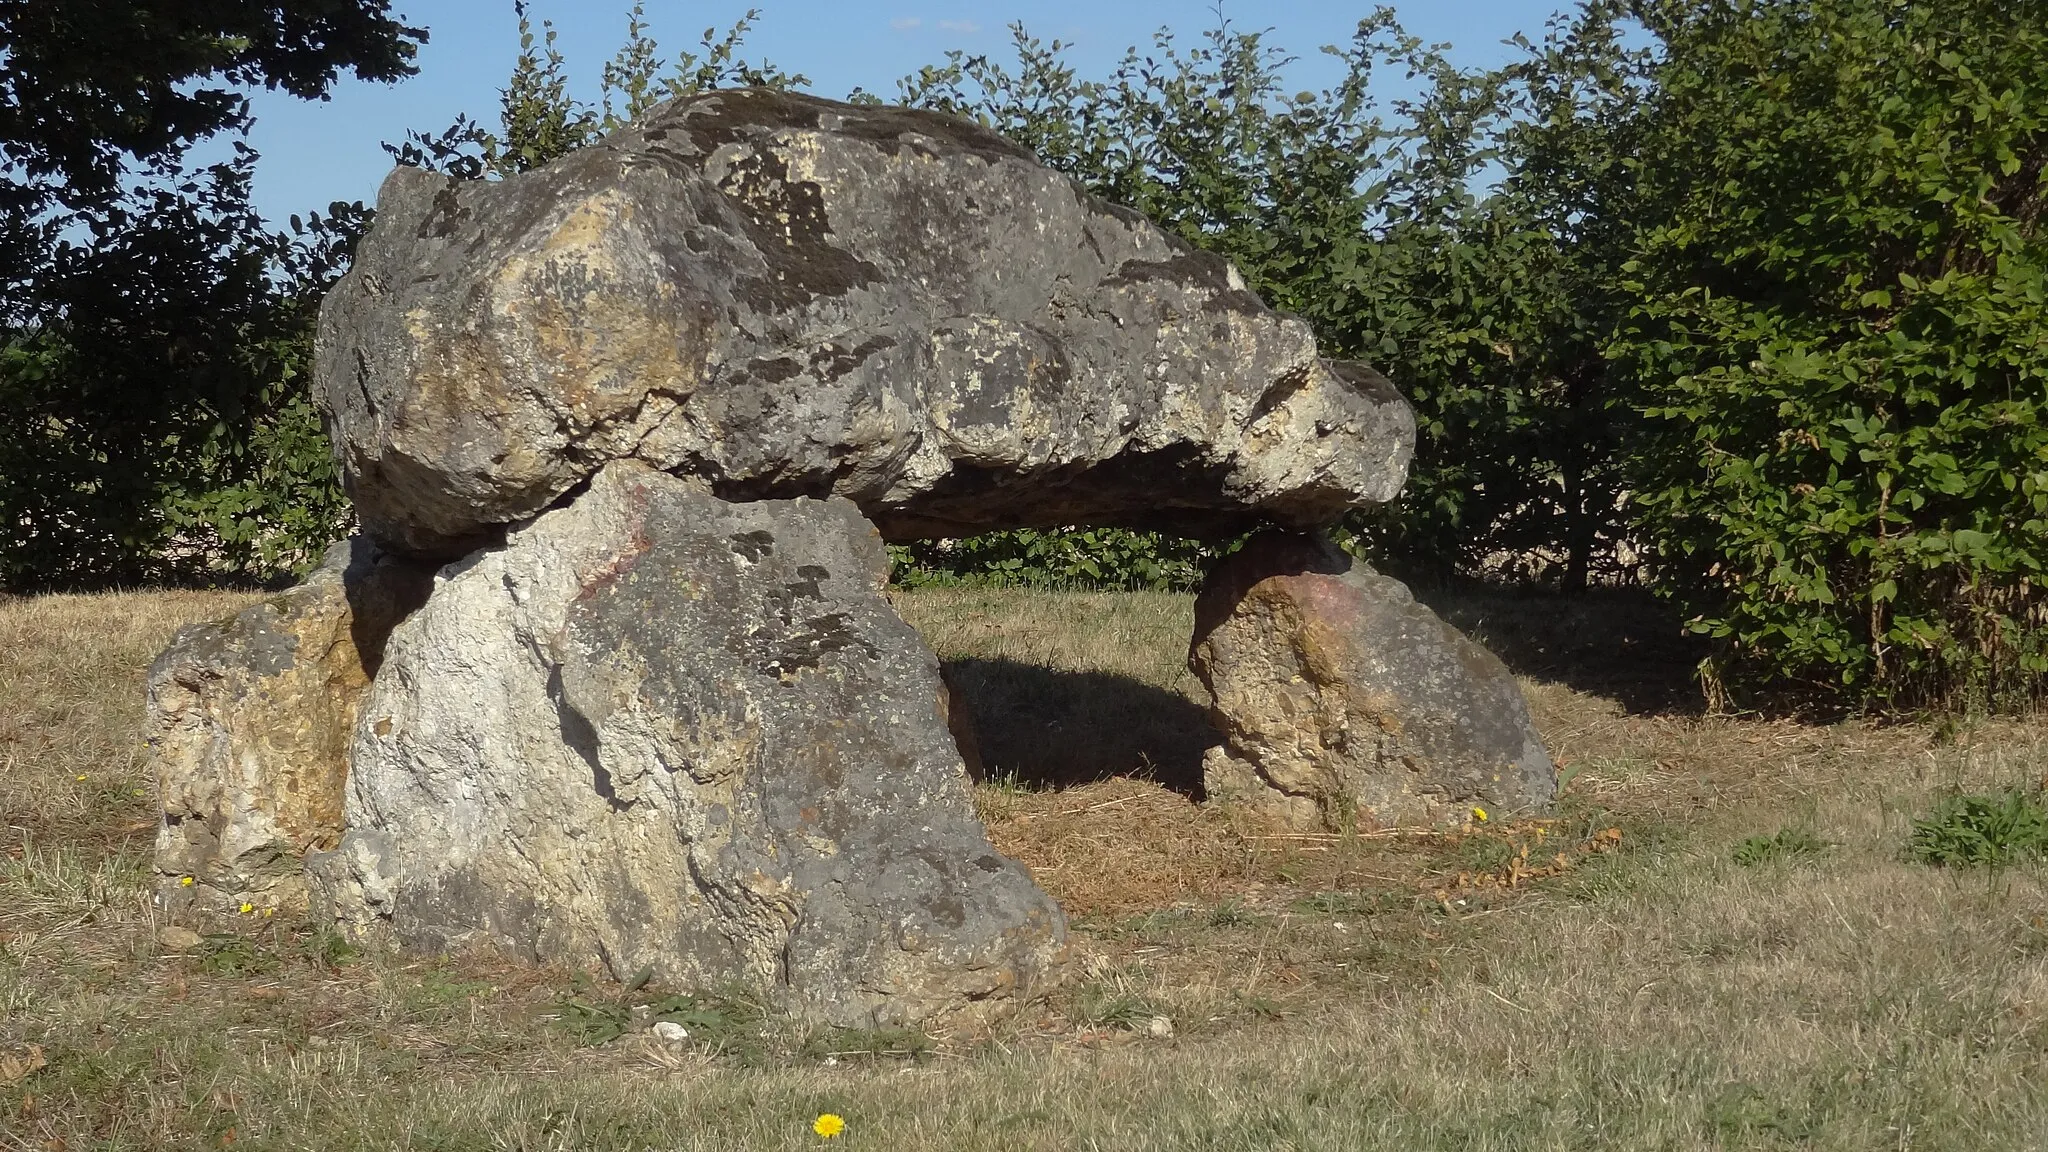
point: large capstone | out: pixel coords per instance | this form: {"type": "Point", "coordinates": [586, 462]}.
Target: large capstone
{"type": "Point", "coordinates": [250, 720]}
{"type": "Point", "coordinates": [787, 296]}
{"type": "Point", "coordinates": [659, 732]}
{"type": "Point", "coordinates": [1345, 703]}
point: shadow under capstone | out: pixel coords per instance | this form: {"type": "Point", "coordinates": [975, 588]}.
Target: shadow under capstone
{"type": "Point", "coordinates": [1046, 728]}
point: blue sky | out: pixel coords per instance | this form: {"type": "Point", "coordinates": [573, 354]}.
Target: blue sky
{"type": "Point", "coordinates": [317, 152]}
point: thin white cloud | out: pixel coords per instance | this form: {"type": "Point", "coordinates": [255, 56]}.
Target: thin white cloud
{"type": "Point", "coordinates": [905, 23]}
{"type": "Point", "coordinates": [965, 27]}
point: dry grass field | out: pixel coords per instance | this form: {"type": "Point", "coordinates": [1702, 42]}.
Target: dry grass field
{"type": "Point", "coordinates": [1611, 979]}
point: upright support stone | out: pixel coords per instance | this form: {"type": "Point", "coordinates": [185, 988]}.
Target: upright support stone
{"type": "Point", "coordinates": [250, 720]}
{"type": "Point", "coordinates": [1343, 700]}
{"type": "Point", "coordinates": [659, 731]}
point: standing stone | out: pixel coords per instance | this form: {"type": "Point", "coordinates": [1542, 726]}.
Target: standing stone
{"type": "Point", "coordinates": [787, 296]}
{"type": "Point", "coordinates": [1340, 698]}
{"type": "Point", "coordinates": [659, 731]}
{"type": "Point", "coordinates": [250, 720]}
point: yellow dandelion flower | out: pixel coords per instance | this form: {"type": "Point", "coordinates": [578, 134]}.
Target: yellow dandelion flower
{"type": "Point", "coordinates": [184, 882]}
{"type": "Point", "coordinates": [829, 1125]}
{"type": "Point", "coordinates": [247, 907]}
{"type": "Point", "coordinates": [1479, 814]}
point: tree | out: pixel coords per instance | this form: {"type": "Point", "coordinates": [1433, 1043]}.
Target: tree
{"type": "Point", "coordinates": [92, 95]}
{"type": "Point", "coordinates": [1470, 247]}
{"type": "Point", "coordinates": [152, 329]}
{"type": "Point", "coordinates": [1840, 339]}
{"type": "Point", "coordinates": [539, 120]}
{"type": "Point", "coordinates": [1496, 287]}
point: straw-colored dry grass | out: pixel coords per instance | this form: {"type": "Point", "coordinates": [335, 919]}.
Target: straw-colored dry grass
{"type": "Point", "coordinates": [1324, 993]}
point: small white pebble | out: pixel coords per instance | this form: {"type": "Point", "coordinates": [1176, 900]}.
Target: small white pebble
{"type": "Point", "coordinates": [1337, 924]}
{"type": "Point", "coordinates": [831, 1061]}
{"type": "Point", "coordinates": [1160, 1026]}
{"type": "Point", "coordinates": [670, 1032]}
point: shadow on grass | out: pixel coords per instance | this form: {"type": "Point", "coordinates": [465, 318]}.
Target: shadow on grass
{"type": "Point", "coordinates": [1621, 643]}
{"type": "Point", "coordinates": [1045, 728]}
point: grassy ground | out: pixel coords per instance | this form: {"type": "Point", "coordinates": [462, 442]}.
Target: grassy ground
{"type": "Point", "coordinates": [1613, 979]}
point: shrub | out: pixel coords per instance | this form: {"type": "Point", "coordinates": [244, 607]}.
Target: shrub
{"type": "Point", "coordinates": [1841, 343]}
{"type": "Point", "coordinates": [1486, 310]}
{"type": "Point", "coordinates": [159, 428]}
{"type": "Point", "coordinates": [1991, 830]}
{"type": "Point", "coordinates": [1061, 558]}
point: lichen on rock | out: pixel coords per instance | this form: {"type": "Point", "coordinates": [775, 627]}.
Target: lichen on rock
{"type": "Point", "coordinates": [787, 296]}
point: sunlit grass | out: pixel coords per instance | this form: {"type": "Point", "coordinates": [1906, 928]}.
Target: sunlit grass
{"type": "Point", "coordinates": [1663, 989]}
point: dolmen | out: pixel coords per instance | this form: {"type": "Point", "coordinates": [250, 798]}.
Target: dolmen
{"type": "Point", "coordinates": [609, 678]}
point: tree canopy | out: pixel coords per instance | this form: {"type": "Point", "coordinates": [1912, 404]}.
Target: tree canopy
{"type": "Point", "coordinates": [151, 325]}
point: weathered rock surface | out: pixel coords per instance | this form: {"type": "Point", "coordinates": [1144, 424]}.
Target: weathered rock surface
{"type": "Point", "coordinates": [250, 720]}
{"type": "Point", "coordinates": [789, 296]}
{"type": "Point", "coordinates": [659, 730]}
{"type": "Point", "coordinates": [1341, 698]}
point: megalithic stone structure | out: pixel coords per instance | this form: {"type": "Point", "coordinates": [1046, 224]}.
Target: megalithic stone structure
{"type": "Point", "coordinates": [626, 435]}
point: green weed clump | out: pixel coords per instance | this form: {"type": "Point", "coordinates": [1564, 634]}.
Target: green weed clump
{"type": "Point", "coordinates": [226, 954]}
{"type": "Point", "coordinates": [1983, 830]}
{"type": "Point", "coordinates": [1785, 844]}
{"type": "Point", "coordinates": [730, 1021]}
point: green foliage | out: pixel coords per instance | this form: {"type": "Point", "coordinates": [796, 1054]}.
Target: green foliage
{"type": "Point", "coordinates": [1776, 278]}
{"type": "Point", "coordinates": [540, 120]}
{"type": "Point", "coordinates": [732, 1023]}
{"type": "Point", "coordinates": [154, 334]}
{"type": "Point", "coordinates": [1983, 830]}
{"type": "Point", "coordinates": [1488, 312]}
{"type": "Point", "coordinates": [1481, 852]}
{"type": "Point", "coordinates": [229, 954]}
{"type": "Point", "coordinates": [1747, 296]}
{"type": "Point", "coordinates": [92, 93]}
{"type": "Point", "coordinates": [1069, 558]}
{"type": "Point", "coordinates": [592, 1021]}
{"type": "Point", "coordinates": [1785, 844]}
{"type": "Point", "coordinates": [267, 499]}
{"type": "Point", "coordinates": [1493, 310]}
{"type": "Point", "coordinates": [1743, 1115]}
{"type": "Point", "coordinates": [1113, 1003]}
{"type": "Point", "coordinates": [1355, 904]}
{"type": "Point", "coordinates": [161, 429]}
{"type": "Point", "coordinates": [865, 1044]}
{"type": "Point", "coordinates": [327, 947]}
{"type": "Point", "coordinates": [1840, 342]}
